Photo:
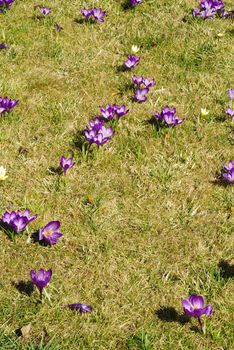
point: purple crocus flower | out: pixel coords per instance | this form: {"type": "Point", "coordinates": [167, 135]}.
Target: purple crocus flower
{"type": "Point", "coordinates": [7, 105]}
{"type": "Point", "coordinates": [82, 308]}
{"type": "Point", "coordinates": [97, 133]}
{"type": "Point", "coordinates": [45, 11]}
{"type": "Point", "coordinates": [86, 12]}
{"type": "Point", "coordinates": [209, 8]}
{"type": "Point", "coordinates": [231, 94]}
{"type": "Point", "coordinates": [132, 61]}
{"type": "Point", "coordinates": [230, 112]}
{"type": "Point", "coordinates": [5, 4]}
{"type": "Point", "coordinates": [137, 81]}
{"type": "Point", "coordinates": [107, 113]}
{"type": "Point", "coordinates": [49, 233]}
{"type": "Point", "coordinates": [98, 14]}
{"type": "Point", "coordinates": [229, 168]}
{"type": "Point", "coordinates": [148, 82]}
{"type": "Point", "coordinates": [41, 279]}
{"type": "Point", "coordinates": [66, 163]}
{"type": "Point", "coordinates": [120, 110]}
{"type": "Point", "coordinates": [194, 306]}
{"type": "Point", "coordinates": [141, 95]}
{"type": "Point", "coordinates": [168, 115]}
{"type": "Point", "coordinates": [135, 2]}
{"type": "Point", "coordinates": [3, 46]}
{"type": "Point", "coordinates": [16, 220]}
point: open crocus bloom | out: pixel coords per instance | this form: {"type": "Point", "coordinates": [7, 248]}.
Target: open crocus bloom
{"type": "Point", "coordinates": [49, 233]}
{"type": "Point", "coordinates": [168, 115]}
{"type": "Point", "coordinates": [141, 95]}
{"type": "Point", "coordinates": [230, 112]}
{"type": "Point", "coordinates": [3, 175]}
{"type": "Point", "coordinates": [194, 306]}
{"type": "Point", "coordinates": [229, 168]}
{"type": "Point", "coordinates": [132, 61]}
{"type": "Point", "coordinates": [45, 11]}
{"type": "Point", "coordinates": [7, 105]}
{"type": "Point", "coordinates": [231, 94]}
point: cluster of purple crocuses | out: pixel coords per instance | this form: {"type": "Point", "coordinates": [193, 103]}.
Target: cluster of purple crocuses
{"type": "Point", "coordinates": [168, 116]}
{"type": "Point", "coordinates": [6, 105]}
{"type": "Point", "coordinates": [229, 172]}
{"type": "Point", "coordinates": [95, 14]}
{"type": "Point", "coordinates": [230, 111]}
{"type": "Point", "coordinates": [209, 9]}
{"type": "Point", "coordinates": [18, 221]}
{"type": "Point", "coordinates": [142, 88]}
{"type": "Point", "coordinates": [96, 131]}
{"type": "Point", "coordinates": [5, 5]}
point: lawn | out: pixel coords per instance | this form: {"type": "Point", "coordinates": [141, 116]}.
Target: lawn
{"type": "Point", "coordinates": [145, 219]}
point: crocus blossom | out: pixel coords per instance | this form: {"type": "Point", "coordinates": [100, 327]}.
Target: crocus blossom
{"type": "Point", "coordinates": [96, 13]}
{"type": "Point", "coordinates": [229, 171]}
{"type": "Point", "coordinates": [5, 4]}
{"type": "Point", "coordinates": [133, 3]}
{"type": "Point", "coordinates": [146, 82]}
{"type": "Point", "coordinates": [66, 163]}
{"type": "Point", "coordinates": [194, 306]}
{"type": "Point", "coordinates": [231, 94]}
{"type": "Point", "coordinates": [209, 9]}
{"type": "Point", "coordinates": [45, 11]}
{"type": "Point", "coordinates": [6, 105]}
{"type": "Point", "coordinates": [82, 308]}
{"type": "Point", "coordinates": [204, 112]}
{"type": "Point", "coordinates": [132, 61]}
{"type": "Point", "coordinates": [3, 175]}
{"type": "Point", "coordinates": [17, 220]}
{"type": "Point", "coordinates": [112, 111]}
{"type": "Point", "coordinates": [41, 279]}
{"type": "Point", "coordinates": [97, 133]}
{"type": "Point", "coordinates": [141, 95]}
{"type": "Point", "coordinates": [135, 49]}
{"type": "Point", "coordinates": [168, 115]}
{"type": "Point", "coordinates": [50, 232]}
{"type": "Point", "coordinates": [230, 112]}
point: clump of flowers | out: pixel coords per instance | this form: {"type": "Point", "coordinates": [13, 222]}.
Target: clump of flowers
{"type": "Point", "coordinates": [96, 132]}
{"type": "Point", "coordinates": [95, 13]}
{"type": "Point", "coordinates": [210, 9]}
{"type": "Point", "coordinates": [17, 221]}
{"type": "Point", "coordinates": [112, 111]}
{"type": "Point", "coordinates": [44, 11]}
{"type": "Point", "coordinates": [81, 308]}
{"type": "Point", "coordinates": [66, 163]}
{"type": "Point", "coordinates": [134, 3]}
{"type": "Point", "coordinates": [229, 171]}
{"type": "Point", "coordinates": [3, 175]}
{"type": "Point", "coordinates": [50, 233]}
{"type": "Point", "coordinates": [230, 111]}
{"type": "Point", "coordinates": [132, 61]}
{"type": "Point", "coordinates": [168, 116]}
{"type": "Point", "coordinates": [6, 104]}
{"type": "Point", "coordinates": [194, 306]}
{"type": "Point", "coordinates": [41, 279]}
{"type": "Point", "coordinates": [143, 85]}
{"type": "Point", "coordinates": [5, 5]}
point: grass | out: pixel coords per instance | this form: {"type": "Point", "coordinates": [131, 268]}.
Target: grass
{"type": "Point", "coordinates": [144, 220]}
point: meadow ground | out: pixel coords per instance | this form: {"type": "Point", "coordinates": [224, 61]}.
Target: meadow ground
{"type": "Point", "coordinates": [144, 221]}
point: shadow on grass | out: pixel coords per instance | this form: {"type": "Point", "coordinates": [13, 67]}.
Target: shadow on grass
{"type": "Point", "coordinates": [80, 20]}
{"type": "Point", "coordinates": [24, 287]}
{"type": "Point", "coordinates": [10, 233]}
{"type": "Point", "coordinates": [122, 68]}
{"type": "Point", "coordinates": [220, 180]}
{"type": "Point", "coordinates": [169, 314]}
{"type": "Point", "coordinates": [55, 170]}
{"type": "Point", "coordinates": [226, 269]}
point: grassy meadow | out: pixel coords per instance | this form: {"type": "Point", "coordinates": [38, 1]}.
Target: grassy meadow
{"type": "Point", "coordinates": [145, 220]}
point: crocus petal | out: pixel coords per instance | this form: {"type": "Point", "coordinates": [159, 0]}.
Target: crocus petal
{"type": "Point", "coordinates": [52, 226]}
